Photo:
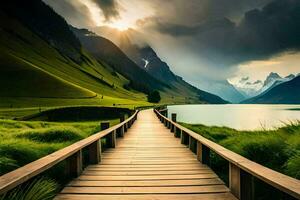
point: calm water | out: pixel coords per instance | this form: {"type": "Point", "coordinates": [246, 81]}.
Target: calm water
{"type": "Point", "coordinates": [241, 117]}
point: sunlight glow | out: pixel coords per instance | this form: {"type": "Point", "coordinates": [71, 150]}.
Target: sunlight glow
{"type": "Point", "coordinates": [120, 25]}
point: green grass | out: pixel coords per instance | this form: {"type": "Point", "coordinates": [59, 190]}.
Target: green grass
{"type": "Point", "coordinates": [38, 189]}
{"type": "Point", "coordinates": [23, 142]}
{"type": "Point", "coordinates": [277, 149]}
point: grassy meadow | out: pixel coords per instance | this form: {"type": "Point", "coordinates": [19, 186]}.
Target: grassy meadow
{"type": "Point", "coordinates": [276, 149]}
{"type": "Point", "coordinates": [22, 142]}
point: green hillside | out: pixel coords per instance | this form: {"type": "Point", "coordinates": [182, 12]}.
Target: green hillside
{"type": "Point", "coordinates": [23, 79]}
{"type": "Point", "coordinates": [33, 73]}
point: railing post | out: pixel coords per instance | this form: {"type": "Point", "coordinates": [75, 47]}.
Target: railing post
{"type": "Point", "coordinates": [103, 126]}
{"type": "Point", "coordinates": [174, 120]}
{"type": "Point", "coordinates": [241, 183]}
{"type": "Point", "coordinates": [192, 144]}
{"type": "Point", "coordinates": [121, 129]}
{"type": "Point", "coordinates": [74, 164]}
{"type": "Point", "coordinates": [94, 152]}
{"type": "Point", "coordinates": [203, 153]}
{"type": "Point", "coordinates": [184, 138]}
{"type": "Point", "coordinates": [177, 132]}
{"type": "Point", "coordinates": [247, 186]}
{"type": "Point", "coordinates": [235, 180]}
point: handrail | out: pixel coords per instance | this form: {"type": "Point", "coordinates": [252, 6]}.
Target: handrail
{"type": "Point", "coordinates": [13, 179]}
{"type": "Point", "coordinates": [237, 162]}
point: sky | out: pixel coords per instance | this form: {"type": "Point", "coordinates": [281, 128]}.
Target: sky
{"type": "Point", "coordinates": [204, 41]}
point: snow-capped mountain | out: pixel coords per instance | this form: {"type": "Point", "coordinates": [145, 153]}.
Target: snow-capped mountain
{"type": "Point", "coordinates": [273, 80]}
{"type": "Point", "coordinates": [251, 89]}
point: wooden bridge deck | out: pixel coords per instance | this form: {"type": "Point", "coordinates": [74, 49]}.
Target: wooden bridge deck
{"type": "Point", "coordinates": [148, 163]}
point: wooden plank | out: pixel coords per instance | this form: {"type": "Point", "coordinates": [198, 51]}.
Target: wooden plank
{"type": "Point", "coordinates": [153, 177]}
{"type": "Point", "coordinates": [148, 166]}
{"type": "Point", "coordinates": [218, 196]}
{"type": "Point", "coordinates": [126, 169]}
{"type": "Point", "coordinates": [149, 183]}
{"type": "Point", "coordinates": [144, 173]}
{"type": "Point", "coordinates": [146, 190]}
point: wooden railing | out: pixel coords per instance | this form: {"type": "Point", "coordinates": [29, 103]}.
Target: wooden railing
{"type": "Point", "coordinates": [241, 169]}
{"type": "Point", "coordinates": [72, 154]}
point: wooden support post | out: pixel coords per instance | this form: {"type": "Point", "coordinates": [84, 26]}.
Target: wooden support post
{"type": "Point", "coordinates": [247, 186]}
{"type": "Point", "coordinates": [125, 127]}
{"type": "Point", "coordinates": [177, 132]}
{"type": "Point", "coordinates": [192, 144]}
{"type": "Point", "coordinates": [184, 138]}
{"type": "Point", "coordinates": [174, 120]}
{"type": "Point", "coordinates": [103, 126]}
{"type": "Point", "coordinates": [120, 132]}
{"type": "Point", "coordinates": [235, 180]}
{"type": "Point", "coordinates": [241, 183]}
{"type": "Point", "coordinates": [94, 152]}
{"type": "Point", "coordinates": [203, 153]}
{"type": "Point", "coordinates": [74, 164]}
{"type": "Point", "coordinates": [111, 139]}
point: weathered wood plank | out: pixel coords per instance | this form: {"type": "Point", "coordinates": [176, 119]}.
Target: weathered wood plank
{"type": "Point", "coordinates": [212, 181]}
{"type": "Point", "coordinates": [146, 190]}
{"type": "Point", "coordinates": [218, 196]}
{"type": "Point", "coordinates": [144, 173]}
{"type": "Point", "coordinates": [152, 177]}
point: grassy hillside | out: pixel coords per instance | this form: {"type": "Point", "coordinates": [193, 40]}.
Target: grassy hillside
{"type": "Point", "coordinates": [33, 73]}
{"type": "Point", "coordinates": [18, 76]}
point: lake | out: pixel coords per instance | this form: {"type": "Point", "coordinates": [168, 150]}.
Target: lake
{"type": "Point", "coordinates": [241, 117]}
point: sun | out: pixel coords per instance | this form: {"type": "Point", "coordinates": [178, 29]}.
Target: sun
{"type": "Point", "coordinates": [120, 25]}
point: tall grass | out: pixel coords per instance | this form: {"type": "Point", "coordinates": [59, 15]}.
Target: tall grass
{"type": "Point", "coordinates": [277, 149]}
{"type": "Point", "coordinates": [22, 142]}
{"type": "Point", "coordinates": [39, 189]}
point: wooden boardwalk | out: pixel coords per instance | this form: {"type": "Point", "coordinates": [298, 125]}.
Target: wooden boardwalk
{"type": "Point", "coordinates": [148, 163]}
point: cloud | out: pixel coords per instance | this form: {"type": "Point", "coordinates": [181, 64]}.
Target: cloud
{"type": "Point", "coordinates": [110, 8]}
{"type": "Point", "coordinates": [74, 11]}
{"type": "Point", "coordinates": [260, 34]}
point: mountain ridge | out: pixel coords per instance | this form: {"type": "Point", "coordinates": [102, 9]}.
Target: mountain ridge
{"type": "Point", "coordinates": [284, 93]}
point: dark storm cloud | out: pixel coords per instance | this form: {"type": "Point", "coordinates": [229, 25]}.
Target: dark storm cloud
{"type": "Point", "coordinates": [110, 8]}
{"type": "Point", "coordinates": [75, 13]}
{"type": "Point", "coordinates": [260, 34]}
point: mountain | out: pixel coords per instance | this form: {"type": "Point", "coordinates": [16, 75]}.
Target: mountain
{"type": "Point", "coordinates": [284, 93]}
{"type": "Point", "coordinates": [251, 89]}
{"type": "Point", "coordinates": [225, 90]}
{"type": "Point", "coordinates": [106, 51]}
{"type": "Point", "coordinates": [133, 61]}
{"type": "Point", "coordinates": [43, 63]}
